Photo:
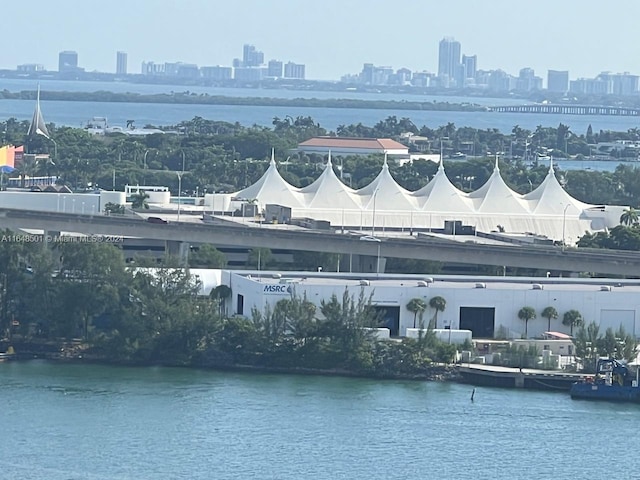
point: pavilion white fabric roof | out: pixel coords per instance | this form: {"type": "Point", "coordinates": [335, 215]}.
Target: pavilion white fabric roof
{"type": "Point", "coordinates": [328, 191]}
{"type": "Point", "coordinates": [272, 188]}
{"type": "Point", "coordinates": [548, 210]}
{"type": "Point", "coordinates": [496, 197]}
{"type": "Point", "coordinates": [386, 192]}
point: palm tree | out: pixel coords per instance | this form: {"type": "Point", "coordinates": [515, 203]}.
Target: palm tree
{"type": "Point", "coordinates": [139, 201]}
{"type": "Point", "coordinates": [417, 306]}
{"type": "Point", "coordinates": [629, 217]}
{"type": "Point", "coordinates": [438, 304]}
{"type": "Point", "coordinates": [572, 318]}
{"type": "Point", "coordinates": [549, 313]}
{"type": "Point", "coordinates": [525, 314]}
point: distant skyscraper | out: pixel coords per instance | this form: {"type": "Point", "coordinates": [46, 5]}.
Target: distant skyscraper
{"type": "Point", "coordinates": [252, 57]}
{"type": "Point", "coordinates": [558, 81]}
{"type": "Point", "coordinates": [121, 63]}
{"type": "Point", "coordinates": [294, 70]}
{"type": "Point", "coordinates": [274, 68]}
{"type": "Point", "coordinates": [67, 61]}
{"type": "Point", "coordinates": [448, 60]}
{"type": "Point", "coordinates": [470, 64]}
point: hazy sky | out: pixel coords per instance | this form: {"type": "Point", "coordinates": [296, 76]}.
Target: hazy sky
{"type": "Point", "coordinates": [332, 37]}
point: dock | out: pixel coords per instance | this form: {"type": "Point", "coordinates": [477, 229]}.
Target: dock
{"type": "Point", "coordinates": [530, 378]}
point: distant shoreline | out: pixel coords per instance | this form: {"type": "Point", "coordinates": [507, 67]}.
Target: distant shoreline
{"type": "Point", "coordinates": [186, 98]}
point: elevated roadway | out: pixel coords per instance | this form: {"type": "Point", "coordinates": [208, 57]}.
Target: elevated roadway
{"type": "Point", "coordinates": [608, 262]}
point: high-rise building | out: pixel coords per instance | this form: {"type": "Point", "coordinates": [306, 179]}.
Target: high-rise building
{"type": "Point", "coordinates": [448, 61]}
{"type": "Point", "coordinates": [67, 61]}
{"type": "Point", "coordinates": [294, 70]}
{"type": "Point", "coordinates": [121, 63]}
{"type": "Point", "coordinates": [527, 80]}
{"type": "Point", "coordinates": [470, 64]}
{"type": "Point", "coordinates": [216, 73]}
{"type": "Point", "coordinates": [558, 81]}
{"type": "Point", "coordinates": [274, 69]}
{"type": "Point", "coordinates": [252, 57]}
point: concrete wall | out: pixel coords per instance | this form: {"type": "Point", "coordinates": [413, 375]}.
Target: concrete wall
{"type": "Point", "coordinates": [87, 203]}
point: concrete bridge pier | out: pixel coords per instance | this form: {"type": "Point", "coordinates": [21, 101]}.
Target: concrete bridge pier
{"type": "Point", "coordinates": [364, 264]}
{"type": "Point", "coordinates": [178, 250]}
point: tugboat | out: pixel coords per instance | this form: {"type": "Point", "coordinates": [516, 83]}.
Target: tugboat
{"type": "Point", "coordinates": [612, 382]}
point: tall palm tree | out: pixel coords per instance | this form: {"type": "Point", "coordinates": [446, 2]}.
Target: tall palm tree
{"type": "Point", "coordinates": [139, 201]}
{"type": "Point", "coordinates": [549, 313]}
{"type": "Point", "coordinates": [525, 314]}
{"type": "Point", "coordinates": [629, 217]}
{"type": "Point", "coordinates": [417, 306]}
{"type": "Point", "coordinates": [572, 318]}
{"type": "Point", "coordinates": [438, 304]}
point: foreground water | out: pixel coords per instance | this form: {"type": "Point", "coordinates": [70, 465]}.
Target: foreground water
{"type": "Point", "coordinates": [93, 422]}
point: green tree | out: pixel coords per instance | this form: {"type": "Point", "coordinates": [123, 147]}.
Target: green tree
{"type": "Point", "coordinates": [438, 303]}
{"type": "Point", "coordinates": [417, 306]}
{"type": "Point", "coordinates": [571, 319]}
{"type": "Point", "coordinates": [550, 313]}
{"type": "Point", "coordinates": [629, 217]}
{"type": "Point", "coordinates": [113, 208]}
{"type": "Point", "coordinates": [207, 256]}
{"type": "Point", "coordinates": [525, 314]}
{"type": "Point", "coordinates": [139, 201]}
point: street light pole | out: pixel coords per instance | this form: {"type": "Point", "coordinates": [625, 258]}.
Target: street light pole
{"type": "Point", "coordinates": [180, 174]}
{"type": "Point", "coordinates": [179, 190]}
{"type": "Point", "coordinates": [144, 166]}
{"type": "Point", "coordinates": [373, 221]}
{"type": "Point", "coordinates": [441, 147]}
{"type": "Point", "coordinates": [564, 221]}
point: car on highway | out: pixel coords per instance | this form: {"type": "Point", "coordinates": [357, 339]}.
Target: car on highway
{"type": "Point", "coordinates": [157, 220]}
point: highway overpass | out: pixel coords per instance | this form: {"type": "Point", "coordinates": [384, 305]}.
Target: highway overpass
{"type": "Point", "coordinates": [229, 233]}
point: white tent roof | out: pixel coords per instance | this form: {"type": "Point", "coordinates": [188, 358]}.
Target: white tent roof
{"type": "Point", "coordinates": [272, 188]}
{"type": "Point", "coordinates": [551, 199]}
{"type": "Point", "coordinates": [548, 210]}
{"type": "Point", "coordinates": [496, 197]}
{"type": "Point", "coordinates": [440, 195]}
{"type": "Point", "coordinates": [388, 194]}
{"type": "Point", "coordinates": [329, 192]}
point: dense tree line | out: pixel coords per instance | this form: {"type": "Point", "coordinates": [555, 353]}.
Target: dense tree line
{"type": "Point", "coordinates": [159, 316]}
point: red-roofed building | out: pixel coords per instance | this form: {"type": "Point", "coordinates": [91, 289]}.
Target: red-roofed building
{"type": "Point", "coordinates": [353, 146]}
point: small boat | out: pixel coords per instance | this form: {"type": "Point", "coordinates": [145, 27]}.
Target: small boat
{"type": "Point", "coordinates": [10, 354]}
{"type": "Point", "coordinates": [612, 382]}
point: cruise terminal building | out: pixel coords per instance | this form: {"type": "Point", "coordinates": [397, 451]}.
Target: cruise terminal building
{"type": "Point", "coordinates": [486, 306]}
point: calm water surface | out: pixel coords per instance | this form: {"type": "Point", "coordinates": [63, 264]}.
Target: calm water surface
{"type": "Point", "coordinates": [93, 422]}
{"type": "Point", "coordinates": [77, 114]}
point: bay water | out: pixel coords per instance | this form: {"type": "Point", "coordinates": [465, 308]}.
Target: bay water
{"type": "Point", "coordinates": [77, 114]}
{"type": "Point", "coordinates": [72, 421]}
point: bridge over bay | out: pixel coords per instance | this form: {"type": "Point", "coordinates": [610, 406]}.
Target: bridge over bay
{"type": "Point", "coordinates": [568, 109]}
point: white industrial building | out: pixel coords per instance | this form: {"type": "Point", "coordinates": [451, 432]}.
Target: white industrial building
{"type": "Point", "coordinates": [548, 210]}
{"type": "Point", "coordinates": [487, 306]}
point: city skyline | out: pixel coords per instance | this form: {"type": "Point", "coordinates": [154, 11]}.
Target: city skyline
{"type": "Point", "coordinates": [338, 38]}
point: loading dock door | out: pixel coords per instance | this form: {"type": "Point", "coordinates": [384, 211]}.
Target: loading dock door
{"type": "Point", "coordinates": [480, 320]}
{"type": "Point", "coordinates": [389, 318]}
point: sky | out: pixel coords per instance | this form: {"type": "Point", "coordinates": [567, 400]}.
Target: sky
{"type": "Point", "coordinates": [332, 37]}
